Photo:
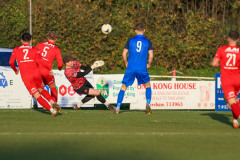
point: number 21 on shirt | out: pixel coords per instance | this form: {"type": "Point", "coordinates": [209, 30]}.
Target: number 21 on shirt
{"type": "Point", "coordinates": [231, 59]}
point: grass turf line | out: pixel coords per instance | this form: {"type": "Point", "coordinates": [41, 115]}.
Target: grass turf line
{"type": "Point", "coordinates": [99, 134]}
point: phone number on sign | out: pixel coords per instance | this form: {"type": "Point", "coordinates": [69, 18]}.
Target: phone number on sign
{"type": "Point", "coordinates": [167, 104]}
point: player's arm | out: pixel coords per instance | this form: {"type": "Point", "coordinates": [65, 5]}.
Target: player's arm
{"type": "Point", "coordinates": [216, 59]}
{"type": "Point", "coordinates": [86, 69]}
{"type": "Point", "coordinates": [150, 58]}
{"type": "Point", "coordinates": [215, 62]}
{"type": "Point", "coordinates": [124, 55]}
{"type": "Point", "coordinates": [125, 51]}
{"type": "Point", "coordinates": [150, 52]}
{"type": "Point", "coordinates": [12, 63]}
{"type": "Point", "coordinates": [59, 58]}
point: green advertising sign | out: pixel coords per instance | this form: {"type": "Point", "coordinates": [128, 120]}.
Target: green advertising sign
{"type": "Point", "coordinates": [103, 87]}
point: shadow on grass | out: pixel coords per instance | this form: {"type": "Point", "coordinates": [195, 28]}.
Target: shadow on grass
{"type": "Point", "coordinates": [44, 111]}
{"type": "Point", "coordinates": [223, 118]}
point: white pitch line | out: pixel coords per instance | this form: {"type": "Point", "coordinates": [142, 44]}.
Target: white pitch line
{"type": "Point", "coordinates": [118, 133]}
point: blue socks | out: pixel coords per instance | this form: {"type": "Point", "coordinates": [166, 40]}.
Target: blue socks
{"type": "Point", "coordinates": [148, 95]}
{"type": "Point", "coordinates": [120, 98]}
{"type": "Point", "coordinates": [121, 95]}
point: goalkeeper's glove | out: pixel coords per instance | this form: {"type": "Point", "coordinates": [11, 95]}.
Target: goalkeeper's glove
{"type": "Point", "coordinates": [97, 64]}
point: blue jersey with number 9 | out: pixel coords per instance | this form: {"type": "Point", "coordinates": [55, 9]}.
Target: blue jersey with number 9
{"type": "Point", "coordinates": [138, 52]}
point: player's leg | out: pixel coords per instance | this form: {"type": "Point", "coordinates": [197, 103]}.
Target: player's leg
{"type": "Point", "coordinates": [54, 93]}
{"type": "Point", "coordinates": [84, 100]}
{"type": "Point", "coordinates": [44, 103]}
{"type": "Point", "coordinates": [45, 93]}
{"type": "Point", "coordinates": [50, 81]}
{"type": "Point", "coordinates": [235, 121]}
{"type": "Point", "coordinates": [235, 110]}
{"type": "Point", "coordinates": [100, 98]}
{"type": "Point", "coordinates": [143, 78]}
{"type": "Point", "coordinates": [120, 97]}
{"type": "Point", "coordinates": [128, 80]}
{"type": "Point", "coordinates": [83, 90]}
{"type": "Point", "coordinates": [230, 94]}
{"type": "Point", "coordinates": [148, 97]}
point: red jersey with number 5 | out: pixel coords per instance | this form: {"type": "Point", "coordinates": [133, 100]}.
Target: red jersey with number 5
{"type": "Point", "coordinates": [230, 62]}
{"type": "Point", "coordinates": [49, 51]}
{"type": "Point", "coordinates": [27, 58]}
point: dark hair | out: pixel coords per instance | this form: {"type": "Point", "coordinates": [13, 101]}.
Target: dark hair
{"type": "Point", "coordinates": [52, 35]}
{"type": "Point", "coordinates": [234, 35]}
{"type": "Point", "coordinates": [67, 58]}
{"type": "Point", "coordinates": [140, 27]}
{"type": "Point", "coordinates": [26, 37]}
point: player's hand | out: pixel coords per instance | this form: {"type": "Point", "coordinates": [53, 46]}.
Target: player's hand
{"type": "Point", "coordinates": [51, 73]}
{"type": "Point", "coordinates": [97, 64]}
{"type": "Point", "coordinates": [148, 65]}
{"type": "Point", "coordinates": [126, 64]}
{"type": "Point", "coordinates": [17, 72]}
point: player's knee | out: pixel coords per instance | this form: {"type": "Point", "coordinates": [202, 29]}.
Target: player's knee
{"type": "Point", "coordinates": [147, 85]}
{"type": "Point", "coordinates": [52, 85]}
{"type": "Point", "coordinates": [36, 95]}
{"type": "Point", "coordinates": [124, 87]}
{"type": "Point", "coordinates": [40, 89]}
{"type": "Point", "coordinates": [97, 92]}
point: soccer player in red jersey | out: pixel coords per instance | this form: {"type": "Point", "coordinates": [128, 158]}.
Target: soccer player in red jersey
{"type": "Point", "coordinates": [228, 57]}
{"type": "Point", "coordinates": [49, 51]}
{"type": "Point", "coordinates": [28, 58]}
{"type": "Point", "coordinates": [79, 82]}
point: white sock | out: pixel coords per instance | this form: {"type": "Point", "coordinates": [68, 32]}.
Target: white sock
{"type": "Point", "coordinates": [235, 121]}
{"type": "Point", "coordinates": [79, 104]}
{"type": "Point", "coordinates": [51, 110]}
{"type": "Point", "coordinates": [107, 103]}
{"type": "Point", "coordinates": [52, 102]}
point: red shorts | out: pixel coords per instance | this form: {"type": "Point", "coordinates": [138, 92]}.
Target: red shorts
{"type": "Point", "coordinates": [47, 79]}
{"type": "Point", "coordinates": [33, 81]}
{"type": "Point", "coordinates": [230, 89]}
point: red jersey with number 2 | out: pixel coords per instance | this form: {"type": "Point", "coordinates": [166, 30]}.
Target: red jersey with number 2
{"type": "Point", "coordinates": [27, 58]}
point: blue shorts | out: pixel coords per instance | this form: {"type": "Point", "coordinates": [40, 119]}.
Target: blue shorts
{"type": "Point", "coordinates": [130, 75]}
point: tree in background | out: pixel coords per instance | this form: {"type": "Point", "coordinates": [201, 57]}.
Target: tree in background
{"type": "Point", "coordinates": [185, 33]}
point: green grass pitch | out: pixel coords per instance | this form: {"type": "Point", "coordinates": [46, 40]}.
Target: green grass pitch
{"type": "Point", "coordinates": [101, 135]}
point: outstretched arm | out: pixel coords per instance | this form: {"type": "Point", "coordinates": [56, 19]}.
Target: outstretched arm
{"type": "Point", "coordinates": [86, 69]}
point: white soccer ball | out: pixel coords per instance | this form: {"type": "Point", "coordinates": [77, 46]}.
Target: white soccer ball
{"type": "Point", "coordinates": [106, 28]}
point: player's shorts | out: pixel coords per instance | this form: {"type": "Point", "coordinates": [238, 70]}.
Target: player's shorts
{"type": "Point", "coordinates": [130, 75]}
{"type": "Point", "coordinates": [32, 82]}
{"type": "Point", "coordinates": [230, 89]}
{"type": "Point", "coordinates": [85, 88]}
{"type": "Point", "coordinates": [47, 79]}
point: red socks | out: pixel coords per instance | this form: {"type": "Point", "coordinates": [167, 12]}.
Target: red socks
{"type": "Point", "coordinates": [54, 94]}
{"type": "Point", "coordinates": [43, 102]}
{"type": "Point", "coordinates": [46, 95]}
{"type": "Point", "coordinates": [236, 110]}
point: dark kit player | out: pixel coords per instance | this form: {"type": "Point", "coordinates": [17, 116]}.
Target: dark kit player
{"type": "Point", "coordinates": [79, 82]}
